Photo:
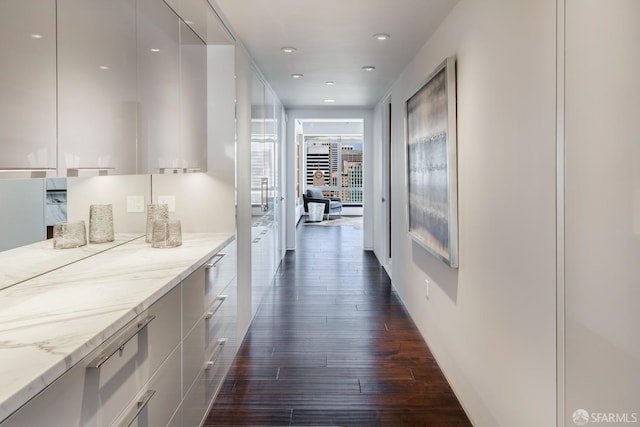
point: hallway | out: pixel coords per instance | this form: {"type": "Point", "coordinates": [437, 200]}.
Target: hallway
{"type": "Point", "coordinates": [332, 345]}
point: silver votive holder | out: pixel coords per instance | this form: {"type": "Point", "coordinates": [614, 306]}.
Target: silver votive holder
{"type": "Point", "coordinates": [154, 213]}
{"type": "Point", "coordinates": [166, 233]}
{"type": "Point", "coordinates": [69, 234]}
{"type": "Point", "coordinates": [100, 224]}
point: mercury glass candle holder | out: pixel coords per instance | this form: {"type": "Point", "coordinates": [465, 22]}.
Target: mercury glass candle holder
{"type": "Point", "coordinates": [100, 223]}
{"type": "Point", "coordinates": [69, 234]}
{"type": "Point", "coordinates": [154, 213]}
{"type": "Point", "coordinates": [166, 234]}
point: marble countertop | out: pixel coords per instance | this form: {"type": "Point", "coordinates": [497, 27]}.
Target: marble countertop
{"type": "Point", "coordinates": [50, 322]}
{"type": "Point", "coordinates": [26, 262]}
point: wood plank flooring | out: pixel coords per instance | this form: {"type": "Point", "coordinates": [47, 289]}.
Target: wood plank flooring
{"type": "Point", "coordinates": [332, 345]}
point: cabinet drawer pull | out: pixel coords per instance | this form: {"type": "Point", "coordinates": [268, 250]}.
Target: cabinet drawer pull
{"type": "Point", "coordinates": [219, 346]}
{"type": "Point", "coordinates": [214, 263]}
{"type": "Point", "coordinates": [119, 345]}
{"type": "Point", "coordinates": [139, 407]}
{"type": "Point", "coordinates": [220, 299]}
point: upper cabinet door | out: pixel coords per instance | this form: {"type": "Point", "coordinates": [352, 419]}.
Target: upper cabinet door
{"type": "Point", "coordinates": [97, 98]}
{"type": "Point", "coordinates": [193, 100]}
{"type": "Point", "coordinates": [28, 84]}
{"type": "Point", "coordinates": [158, 87]}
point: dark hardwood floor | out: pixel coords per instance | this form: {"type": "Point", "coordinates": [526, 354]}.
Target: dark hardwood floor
{"type": "Point", "coordinates": [332, 345]}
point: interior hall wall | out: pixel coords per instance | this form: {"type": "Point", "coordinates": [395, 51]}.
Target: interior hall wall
{"type": "Point", "coordinates": [602, 224]}
{"type": "Point", "coordinates": [491, 323]}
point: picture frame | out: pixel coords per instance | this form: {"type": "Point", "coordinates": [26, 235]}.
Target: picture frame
{"type": "Point", "coordinates": [431, 164]}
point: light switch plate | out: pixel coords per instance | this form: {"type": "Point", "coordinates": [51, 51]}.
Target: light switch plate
{"type": "Point", "coordinates": [170, 201]}
{"type": "Point", "coordinates": [135, 203]}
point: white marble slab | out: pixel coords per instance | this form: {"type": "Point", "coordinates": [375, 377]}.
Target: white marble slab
{"type": "Point", "coordinates": [49, 323]}
{"type": "Point", "coordinates": [25, 262]}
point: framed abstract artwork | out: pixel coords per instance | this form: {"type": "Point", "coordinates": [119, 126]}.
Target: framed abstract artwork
{"type": "Point", "coordinates": [432, 164]}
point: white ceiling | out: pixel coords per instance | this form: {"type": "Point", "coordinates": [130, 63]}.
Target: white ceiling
{"type": "Point", "coordinates": [334, 40]}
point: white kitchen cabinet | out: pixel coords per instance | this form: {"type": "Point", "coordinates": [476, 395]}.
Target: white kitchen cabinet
{"type": "Point", "coordinates": [210, 346]}
{"type": "Point", "coordinates": [202, 289]}
{"type": "Point", "coordinates": [193, 100]}
{"type": "Point", "coordinates": [158, 399]}
{"type": "Point", "coordinates": [28, 84]}
{"type": "Point", "coordinates": [100, 388]}
{"type": "Point", "coordinates": [209, 350]}
{"type": "Point", "coordinates": [158, 46]}
{"type": "Point", "coordinates": [172, 85]}
{"type": "Point", "coordinates": [97, 94]}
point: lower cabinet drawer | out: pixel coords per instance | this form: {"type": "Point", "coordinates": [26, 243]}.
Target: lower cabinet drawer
{"type": "Point", "coordinates": [97, 390]}
{"type": "Point", "coordinates": [200, 396]}
{"type": "Point", "coordinates": [201, 289]}
{"type": "Point", "coordinates": [159, 398]}
{"type": "Point", "coordinates": [208, 354]}
{"type": "Point", "coordinates": [224, 320]}
{"type": "Point", "coordinates": [219, 271]}
{"type": "Point", "coordinates": [215, 329]}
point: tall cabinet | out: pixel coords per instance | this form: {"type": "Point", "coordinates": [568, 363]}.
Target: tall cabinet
{"type": "Point", "coordinates": [193, 100]}
{"type": "Point", "coordinates": [265, 189]}
{"type": "Point", "coordinates": [158, 45]}
{"type": "Point", "coordinates": [172, 92]}
{"type": "Point", "coordinates": [28, 84]}
{"type": "Point", "coordinates": [97, 101]}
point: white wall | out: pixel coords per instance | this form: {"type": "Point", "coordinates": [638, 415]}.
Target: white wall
{"type": "Point", "coordinates": [332, 113]}
{"type": "Point", "coordinates": [491, 323]}
{"type": "Point", "coordinates": [602, 352]}
{"type": "Point", "coordinates": [203, 203]}
{"type": "Point", "coordinates": [85, 191]}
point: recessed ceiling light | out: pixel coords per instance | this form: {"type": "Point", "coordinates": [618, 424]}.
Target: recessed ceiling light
{"type": "Point", "coordinates": [329, 101]}
{"type": "Point", "coordinates": [36, 36]}
{"type": "Point", "coordinates": [288, 49]}
{"type": "Point", "coordinates": [381, 36]}
{"type": "Point", "coordinates": [297, 75]}
{"type": "Point", "coordinates": [329, 83]}
{"type": "Point", "coordinates": [155, 49]}
{"type": "Point", "coordinates": [103, 67]}
{"type": "Point", "coordinates": [368, 68]}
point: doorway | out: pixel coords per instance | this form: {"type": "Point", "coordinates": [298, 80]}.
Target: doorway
{"type": "Point", "coordinates": [332, 160]}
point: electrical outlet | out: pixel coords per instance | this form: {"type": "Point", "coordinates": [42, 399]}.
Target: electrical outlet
{"type": "Point", "coordinates": [170, 201]}
{"type": "Point", "coordinates": [426, 288]}
{"type": "Point", "coordinates": [135, 203]}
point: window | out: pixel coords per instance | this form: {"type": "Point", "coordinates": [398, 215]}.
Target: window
{"type": "Point", "coordinates": [333, 163]}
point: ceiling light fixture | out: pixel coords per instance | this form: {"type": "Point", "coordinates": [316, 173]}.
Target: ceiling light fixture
{"type": "Point", "coordinates": [155, 49]}
{"type": "Point", "coordinates": [329, 83]}
{"type": "Point", "coordinates": [368, 68]}
{"type": "Point", "coordinates": [329, 101]}
{"type": "Point", "coordinates": [297, 76]}
{"type": "Point", "coordinates": [381, 36]}
{"type": "Point", "coordinates": [288, 49]}
{"type": "Point", "coordinates": [103, 67]}
{"type": "Point", "coordinates": [36, 36]}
